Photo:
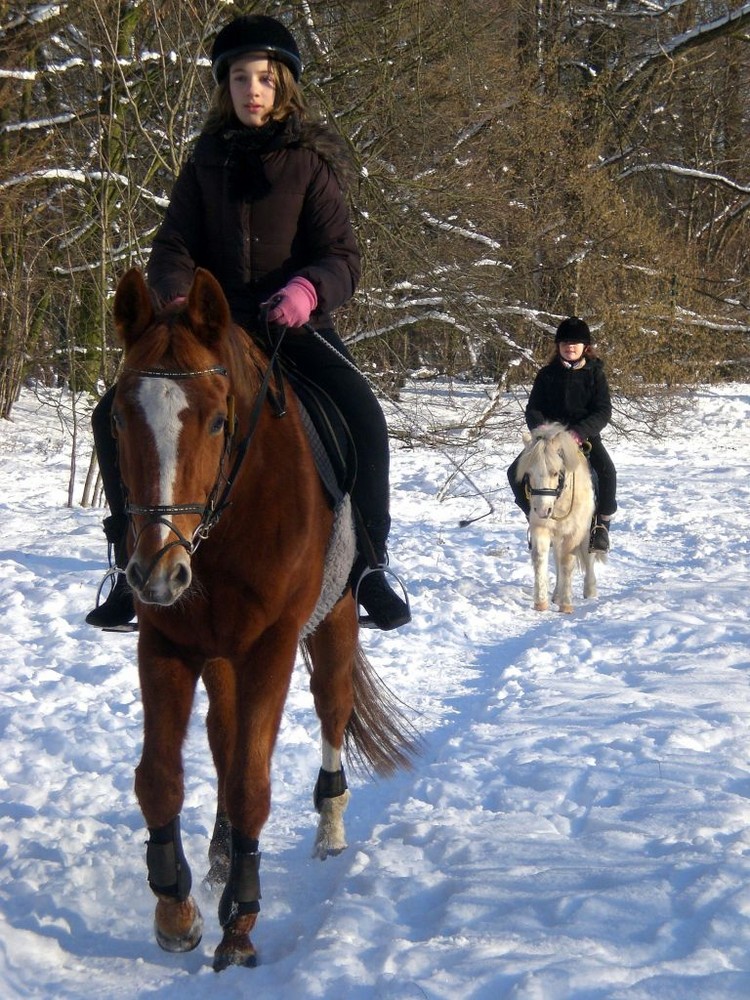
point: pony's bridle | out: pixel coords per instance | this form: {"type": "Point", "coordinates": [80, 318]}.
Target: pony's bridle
{"type": "Point", "coordinates": [555, 492]}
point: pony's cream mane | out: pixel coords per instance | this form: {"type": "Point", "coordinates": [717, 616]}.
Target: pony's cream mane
{"type": "Point", "coordinates": [546, 442]}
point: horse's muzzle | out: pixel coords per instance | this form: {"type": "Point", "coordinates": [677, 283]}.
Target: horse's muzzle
{"type": "Point", "coordinates": [162, 583]}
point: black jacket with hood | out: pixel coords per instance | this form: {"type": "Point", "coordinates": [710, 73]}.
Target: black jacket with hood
{"type": "Point", "coordinates": [576, 397]}
{"type": "Point", "coordinates": [257, 207]}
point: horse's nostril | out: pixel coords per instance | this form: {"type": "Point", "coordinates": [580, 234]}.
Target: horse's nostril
{"type": "Point", "coordinates": [181, 575]}
{"type": "Point", "coordinates": [134, 576]}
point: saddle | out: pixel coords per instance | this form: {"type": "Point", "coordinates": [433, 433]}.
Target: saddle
{"type": "Point", "coordinates": [329, 436]}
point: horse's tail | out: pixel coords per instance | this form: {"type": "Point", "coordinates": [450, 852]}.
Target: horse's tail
{"type": "Point", "coordinates": [378, 736]}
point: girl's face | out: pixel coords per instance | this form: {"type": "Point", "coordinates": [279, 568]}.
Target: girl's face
{"type": "Point", "coordinates": [252, 87]}
{"type": "Point", "coordinates": [570, 352]}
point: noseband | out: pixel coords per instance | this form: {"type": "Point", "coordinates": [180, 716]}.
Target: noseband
{"type": "Point", "coordinates": [545, 492]}
{"type": "Point", "coordinates": [555, 492]}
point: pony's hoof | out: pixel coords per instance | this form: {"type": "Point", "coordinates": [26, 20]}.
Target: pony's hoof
{"type": "Point", "coordinates": [566, 609]}
{"type": "Point", "coordinates": [541, 606]}
{"type": "Point", "coordinates": [235, 947]}
{"type": "Point", "coordinates": [178, 926]}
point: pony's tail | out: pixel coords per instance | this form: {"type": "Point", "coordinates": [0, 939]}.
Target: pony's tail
{"type": "Point", "coordinates": [378, 736]}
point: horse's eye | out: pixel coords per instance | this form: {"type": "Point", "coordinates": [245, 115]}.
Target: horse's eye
{"type": "Point", "coordinates": [116, 423]}
{"type": "Point", "coordinates": [217, 425]}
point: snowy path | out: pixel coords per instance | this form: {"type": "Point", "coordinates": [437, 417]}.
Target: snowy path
{"type": "Point", "coordinates": [579, 824]}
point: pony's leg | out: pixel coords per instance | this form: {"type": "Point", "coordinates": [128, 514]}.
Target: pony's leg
{"type": "Point", "coordinates": [565, 560]}
{"type": "Point", "coordinates": [588, 561]}
{"type": "Point", "coordinates": [218, 678]}
{"type": "Point", "coordinates": [332, 650]}
{"type": "Point", "coordinates": [167, 690]}
{"type": "Point", "coordinates": [262, 681]}
{"type": "Point", "coordinates": [540, 543]}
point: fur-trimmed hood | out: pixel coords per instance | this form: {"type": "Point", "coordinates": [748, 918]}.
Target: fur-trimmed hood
{"type": "Point", "coordinates": [238, 142]}
{"type": "Point", "coordinates": [331, 147]}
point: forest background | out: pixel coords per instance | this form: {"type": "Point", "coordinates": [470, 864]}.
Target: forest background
{"type": "Point", "coordinates": [518, 161]}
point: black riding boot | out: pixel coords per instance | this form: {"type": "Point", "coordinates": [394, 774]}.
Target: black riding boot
{"type": "Point", "coordinates": [600, 535]}
{"type": "Point", "coordinates": [384, 608]}
{"type": "Point", "coordinates": [118, 608]}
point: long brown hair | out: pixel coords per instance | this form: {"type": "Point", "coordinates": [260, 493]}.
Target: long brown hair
{"type": "Point", "coordinates": [287, 100]}
{"type": "Point", "coordinates": [589, 351]}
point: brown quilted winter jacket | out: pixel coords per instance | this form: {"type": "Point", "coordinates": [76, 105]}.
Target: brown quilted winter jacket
{"type": "Point", "coordinates": [257, 207]}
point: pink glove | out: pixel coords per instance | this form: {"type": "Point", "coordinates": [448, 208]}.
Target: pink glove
{"type": "Point", "coordinates": [293, 304]}
{"type": "Point", "coordinates": [576, 437]}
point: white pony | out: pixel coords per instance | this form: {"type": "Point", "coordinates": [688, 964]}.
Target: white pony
{"type": "Point", "coordinates": [558, 484]}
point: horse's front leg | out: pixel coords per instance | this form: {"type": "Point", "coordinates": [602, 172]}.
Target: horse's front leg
{"type": "Point", "coordinates": [167, 688]}
{"type": "Point", "coordinates": [565, 560]}
{"type": "Point", "coordinates": [261, 683]}
{"type": "Point", "coordinates": [540, 544]}
{"type": "Point", "coordinates": [219, 681]}
{"type": "Point", "coordinates": [589, 573]}
{"type": "Point", "coordinates": [332, 651]}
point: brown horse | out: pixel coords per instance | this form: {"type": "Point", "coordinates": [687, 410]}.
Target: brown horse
{"type": "Point", "coordinates": [230, 559]}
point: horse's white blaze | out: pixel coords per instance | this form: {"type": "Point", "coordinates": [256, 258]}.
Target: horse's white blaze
{"type": "Point", "coordinates": [163, 401]}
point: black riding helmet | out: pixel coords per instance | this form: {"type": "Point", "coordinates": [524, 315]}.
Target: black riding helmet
{"type": "Point", "coordinates": [573, 331]}
{"type": "Point", "coordinates": [254, 33]}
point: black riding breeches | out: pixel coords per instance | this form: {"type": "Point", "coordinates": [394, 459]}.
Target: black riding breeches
{"type": "Point", "coordinates": [106, 453]}
{"type": "Point", "coordinates": [605, 470]}
{"type": "Point", "coordinates": [328, 363]}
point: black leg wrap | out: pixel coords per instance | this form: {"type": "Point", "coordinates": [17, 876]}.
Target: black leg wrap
{"type": "Point", "coordinates": [242, 892]}
{"type": "Point", "coordinates": [168, 870]}
{"type": "Point", "coordinates": [330, 785]}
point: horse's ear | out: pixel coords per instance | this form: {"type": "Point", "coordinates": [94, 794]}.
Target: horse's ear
{"type": "Point", "coordinates": [207, 307]}
{"type": "Point", "coordinates": [526, 437]}
{"type": "Point", "coordinates": [133, 308]}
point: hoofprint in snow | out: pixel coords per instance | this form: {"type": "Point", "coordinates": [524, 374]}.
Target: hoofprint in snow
{"type": "Point", "coordinates": [579, 824]}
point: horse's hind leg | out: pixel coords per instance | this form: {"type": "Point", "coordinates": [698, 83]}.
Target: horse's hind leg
{"type": "Point", "coordinates": [331, 656]}
{"type": "Point", "coordinates": [167, 686]}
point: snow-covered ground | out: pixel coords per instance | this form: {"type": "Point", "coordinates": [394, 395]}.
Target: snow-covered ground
{"type": "Point", "coordinates": [579, 823]}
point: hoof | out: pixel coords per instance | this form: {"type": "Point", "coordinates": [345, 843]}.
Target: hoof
{"type": "Point", "coordinates": [541, 606]}
{"type": "Point", "coordinates": [178, 925]}
{"type": "Point", "coordinates": [236, 948]}
{"type": "Point", "coordinates": [566, 609]}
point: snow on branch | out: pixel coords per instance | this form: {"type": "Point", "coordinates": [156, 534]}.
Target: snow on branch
{"type": "Point", "coordinates": [673, 168]}
{"type": "Point", "coordinates": [81, 177]}
{"type": "Point", "coordinates": [700, 34]}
